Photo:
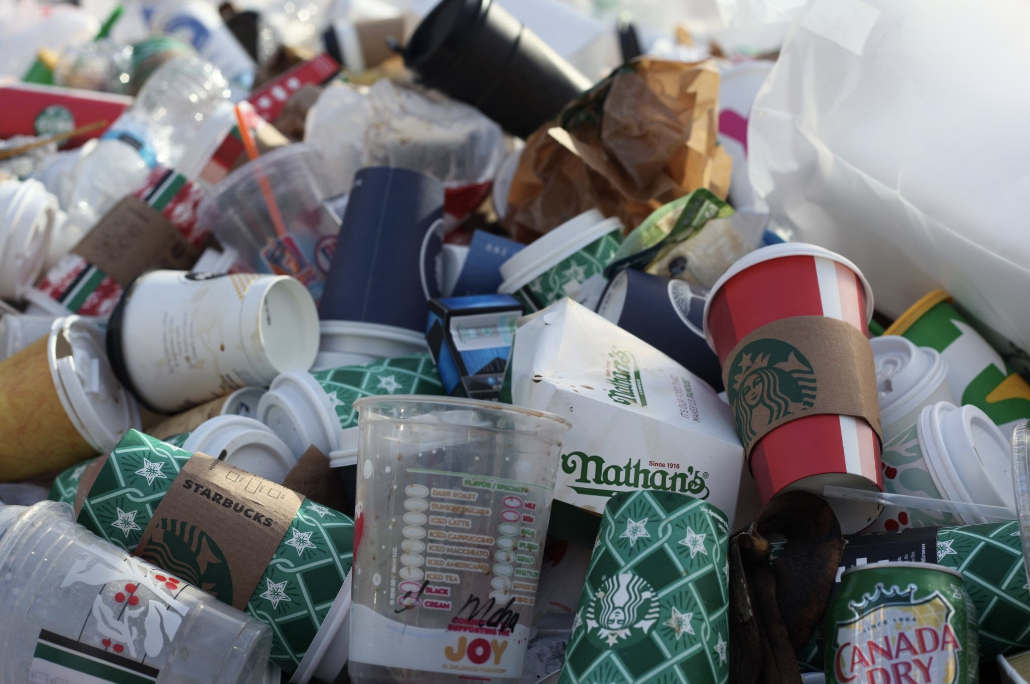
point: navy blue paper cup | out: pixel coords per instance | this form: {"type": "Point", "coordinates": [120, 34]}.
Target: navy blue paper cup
{"type": "Point", "coordinates": [385, 269]}
{"type": "Point", "coordinates": [668, 315]}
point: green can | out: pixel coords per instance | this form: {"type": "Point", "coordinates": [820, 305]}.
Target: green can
{"type": "Point", "coordinates": [901, 623]}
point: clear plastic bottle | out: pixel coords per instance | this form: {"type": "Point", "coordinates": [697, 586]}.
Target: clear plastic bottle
{"type": "Point", "coordinates": [73, 603]}
{"type": "Point", "coordinates": [171, 108]}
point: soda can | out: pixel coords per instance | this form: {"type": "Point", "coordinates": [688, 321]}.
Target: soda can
{"type": "Point", "coordinates": [901, 623]}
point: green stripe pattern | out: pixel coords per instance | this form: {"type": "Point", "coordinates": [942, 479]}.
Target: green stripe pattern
{"type": "Point", "coordinates": [549, 287]}
{"type": "Point", "coordinates": [654, 606]}
{"type": "Point", "coordinates": [93, 667]}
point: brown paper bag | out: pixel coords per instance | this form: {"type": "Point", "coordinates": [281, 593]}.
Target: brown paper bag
{"type": "Point", "coordinates": [643, 137]}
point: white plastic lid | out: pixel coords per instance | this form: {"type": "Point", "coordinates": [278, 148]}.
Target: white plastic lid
{"type": "Point", "coordinates": [346, 336]}
{"type": "Point", "coordinates": [347, 454]}
{"type": "Point", "coordinates": [331, 646]}
{"type": "Point", "coordinates": [27, 214]}
{"type": "Point", "coordinates": [1021, 486]}
{"type": "Point", "coordinates": [614, 298]}
{"type": "Point", "coordinates": [968, 456]}
{"type": "Point", "coordinates": [553, 246]}
{"type": "Point", "coordinates": [298, 410]}
{"type": "Point", "coordinates": [246, 444]}
{"type": "Point", "coordinates": [96, 403]}
{"type": "Point", "coordinates": [243, 402]}
{"type": "Point", "coordinates": [905, 375]}
{"type": "Point", "coordinates": [786, 249]}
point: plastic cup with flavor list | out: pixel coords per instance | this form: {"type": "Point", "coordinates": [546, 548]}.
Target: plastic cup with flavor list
{"type": "Point", "coordinates": [270, 211]}
{"type": "Point", "coordinates": [242, 402]}
{"type": "Point", "coordinates": [951, 453]}
{"type": "Point", "coordinates": [27, 216]}
{"type": "Point", "coordinates": [908, 378]}
{"type": "Point", "coordinates": [179, 339]}
{"type": "Point", "coordinates": [60, 402]}
{"type": "Point", "coordinates": [295, 580]}
{"type": "Point", "coordinates": [79, 609]}
{"type": "Point", "coordinates": [476, 52]}
{"type": "Point", "coordinates": [666, 313]}
{"type": "Point", "coordinates": [655, 605]}
{"type": "Point", "coordinates": [243, 443]}
{"type": "Point", "coordinates": [821, 301]}
{"type": "Point", "coordinates": [568, 261]}
{"type": "Point", "coordinates": [977, 374]}
{"type": "Point", "coordinates": [353, 343]}
{"type": "Point", "coordinates": [384, 270]}
{"type": "Point", "coordinates": [459, 492]}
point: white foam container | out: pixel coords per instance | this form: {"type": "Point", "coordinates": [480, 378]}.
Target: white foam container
{"type": "Point", "coordinates": [298, 410]}
{"type": "Point", "coordinates": [27, 216]}
{"type": "Point", "coordinates": [546, 251]}
{"type": "Point", "coordinates": [908, 378]}
{"type": "Point", "coordinates": [96, 403]}
{"type": "Point", "coordinates": [243, 443]}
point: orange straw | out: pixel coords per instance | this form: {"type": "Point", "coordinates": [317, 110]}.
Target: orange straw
{"type": "Point", "coordinates": [266, 188]}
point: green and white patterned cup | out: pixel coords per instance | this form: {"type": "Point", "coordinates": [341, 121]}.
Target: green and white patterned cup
{"type": "Point", "coordinates": [301, 585]}
{"type": "Point", "coordinates": [569, 261]}
{"type": "Point", "coordinates": [655, 604]}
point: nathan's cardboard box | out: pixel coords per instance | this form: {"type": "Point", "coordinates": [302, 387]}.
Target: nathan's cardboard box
{"type": "Point", "coordinates": [639, 419]}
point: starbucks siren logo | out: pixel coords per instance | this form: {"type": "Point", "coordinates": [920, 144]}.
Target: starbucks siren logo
{"type": "Point", "coordinates": [689, 303]}
{"type": "Point", "coordinates": [622, 612]}
{"type": "Point", "coordinates": [53, 120]}
{"type": "Point", "coordinates": [769, 379]}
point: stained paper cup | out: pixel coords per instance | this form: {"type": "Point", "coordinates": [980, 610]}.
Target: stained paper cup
{"type": "Point", "coordinates": [568, 261]}
{"type": "Point", "coordinates": [178, 340]}
{"type": "Point", "coordinates": [27, 215]}
{"type": "Point", "coordinates": [951, 453]}
{"type": "Point", "coordinates": [908, 378]}
{"type": "Point", "coordinates": [60, 402]}
{"type": "Point", "coordinates": [243, 443]}
{"type": "Point", "coordinates": [977, 374]}
{"type": "Point", "coordinates": [783, 281]}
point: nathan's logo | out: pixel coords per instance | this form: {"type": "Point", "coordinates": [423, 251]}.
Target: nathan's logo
{"type": "Point", "coordinates": [770, 380]}
{"type": "Point", "coordinates": [895, 639]}
{"type": "Point", "coordinates": [624, 377]}
{"type": "Point", "coordinates": [592, 469]}
{"type": "Point", "coordinates": [622, 612]}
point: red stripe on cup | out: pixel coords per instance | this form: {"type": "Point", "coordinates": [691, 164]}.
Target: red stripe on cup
{"type": "Point", "coordinates": [815, 435]}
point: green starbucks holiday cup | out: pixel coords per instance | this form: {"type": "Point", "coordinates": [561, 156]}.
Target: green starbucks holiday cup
{"type": "Point", "coordinates": [300, 581]}
{"type": "Point", "coordinates": [655, 604]}
{"type": "Point", "coordinates": [976, 374]}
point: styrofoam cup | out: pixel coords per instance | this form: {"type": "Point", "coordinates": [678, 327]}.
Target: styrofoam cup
{"type": "Point", "coordinates": [244, 443]}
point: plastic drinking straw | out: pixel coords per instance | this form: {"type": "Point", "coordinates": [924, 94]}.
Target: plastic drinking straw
{"type": "Point", "coordinates": [266, 189]}
{"type": "Point", "coordinates": [922, 503]}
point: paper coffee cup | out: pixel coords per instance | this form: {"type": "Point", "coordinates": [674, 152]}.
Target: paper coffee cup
{"type": "Point", "coordinates": [977, 374]}
{"type": "Point", "coordinates": [242, 402]}
{"type": "Point", "coordinates": [243, 443]}
{"type": "Point", "coordinates": [27, 215]}
{"type": "Point", "coordinates": [655, 605]}
{"type": "Point", "coordinates": [951, 453]}
{"type": "Point", "coordinates": [352, 343]}
{"type": "Point", "coordinates": [179, 339]}
{"type": "Point", "coordinates": [568, 261]}
{"type": "Point", "coordinates": [803, 283]}
{"type": "Point", "coordinates": [908, 378]}
{"type": "Point", "coordinates": [60, 402]}
{"type": "Point", "coordinates": [18, 331]}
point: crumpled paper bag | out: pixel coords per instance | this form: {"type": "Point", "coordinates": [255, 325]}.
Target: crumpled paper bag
{"type": "Point", "coordinates": [646, 135]}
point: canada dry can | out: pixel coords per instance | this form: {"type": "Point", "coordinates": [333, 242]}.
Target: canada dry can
{"type": "Point", "coordinates": [901, 623]}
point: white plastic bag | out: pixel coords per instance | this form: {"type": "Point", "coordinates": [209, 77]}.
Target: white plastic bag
{"type": "Point", "coordinates": [894, 133]}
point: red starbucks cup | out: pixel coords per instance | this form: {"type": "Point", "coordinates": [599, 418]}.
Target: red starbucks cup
{"type": "Point", "coordinates": [785, 281]}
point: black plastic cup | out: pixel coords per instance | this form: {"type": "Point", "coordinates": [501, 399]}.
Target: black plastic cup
{"type": "Point", "coordinates": [384, 269]}
{"type": "Point", "coordinates": [668, 315]}
{"type": "Point", "coordinates": [476, 52]}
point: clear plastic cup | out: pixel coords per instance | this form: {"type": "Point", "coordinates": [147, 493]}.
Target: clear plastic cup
{"type": "Point", "coordinates": [454, 497]}
{"type": "Point", "coordinates": [73, 603]}
{"type": "Point", "coordinates": [270, 211]}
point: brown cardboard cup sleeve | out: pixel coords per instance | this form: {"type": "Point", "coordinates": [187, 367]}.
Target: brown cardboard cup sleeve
{"type": "Point", "coordinates": [799, 367]}
{"type": "Point", "coordinates": [219, 526]}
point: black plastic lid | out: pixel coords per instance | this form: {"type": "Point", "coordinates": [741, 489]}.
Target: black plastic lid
{"type": "Point", "coordinates": [115, 349]}
{"type": "Point", "coordinates": [439, 38]}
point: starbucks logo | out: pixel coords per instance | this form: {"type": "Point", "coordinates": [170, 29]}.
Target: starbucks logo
{"type": "Point", "coordinates": [622, 612]}
{"type": "Point", "coordinates": [769, 379]}
{"type": "Point", "coordinates": [689, 303]}
{"type": "Point", "coordinates": [191, 554]}
{"type": "Point", "coordinates": [53, 120]}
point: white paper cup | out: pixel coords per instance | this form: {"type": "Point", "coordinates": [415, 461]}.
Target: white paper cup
{"type": "Point", "coordinates": [352, 343]}
{"type": "Point", "coordinates": [908, 378]}
{"type": "Point", "coordinates": [298, 410]}
{"type": "Point", "coordinates": [537, 272]}
{"type": "Point", "coordinates": [243, 443]}
{"type": "Point", "coordinates": [178, 340]}
{"type": "Point", "coordinates": [952, 454]}
{"type": "Point", "coordinates": [27, 215]}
